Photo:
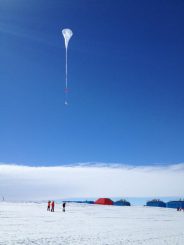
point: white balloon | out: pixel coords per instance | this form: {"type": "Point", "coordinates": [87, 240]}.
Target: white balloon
{"type": "Point", "coordinates": [67, 34]}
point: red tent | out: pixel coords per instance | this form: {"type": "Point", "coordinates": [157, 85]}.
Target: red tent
{"type": "Point", "coordinates": [104, 201]}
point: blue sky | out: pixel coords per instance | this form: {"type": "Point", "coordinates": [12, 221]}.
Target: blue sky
{"type": "Point", "coordinates": [126, 91]}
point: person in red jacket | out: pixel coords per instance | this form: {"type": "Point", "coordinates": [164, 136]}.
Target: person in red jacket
{"type": "Point", "coordinates": [52, 206]}
{"type": "Point", "coordinates": [48, 206]}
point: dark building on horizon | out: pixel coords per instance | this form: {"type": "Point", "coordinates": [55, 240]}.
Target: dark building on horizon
{"type": "Point", "coordinates": [122, 203]}
{"type": "Point", "coordinates": [156, 203]}
{"type": "Point", "coordinates": [175, 204]}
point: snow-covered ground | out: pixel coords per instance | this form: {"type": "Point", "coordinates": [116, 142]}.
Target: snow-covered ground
{"type": "Point", "coordinates": [30, 223]}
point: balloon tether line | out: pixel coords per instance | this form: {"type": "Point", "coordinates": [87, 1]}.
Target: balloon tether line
{"type": "Point", "coordinates": [66, 78]}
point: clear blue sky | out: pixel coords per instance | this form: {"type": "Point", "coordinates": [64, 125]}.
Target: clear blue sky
{"type": "Point", "coordinates": [126, 82]}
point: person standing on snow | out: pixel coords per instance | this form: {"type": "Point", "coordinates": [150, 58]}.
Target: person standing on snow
{"type": "Point", "coordinates": [48, 206]}
{"type": "Point", "coordinates": [52, 206]}
{"type": "Point", "coordinates": [64, 204]}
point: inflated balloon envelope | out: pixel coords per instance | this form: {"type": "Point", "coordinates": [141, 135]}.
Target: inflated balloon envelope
{"type": "Point", "coordinates": [67, 34]}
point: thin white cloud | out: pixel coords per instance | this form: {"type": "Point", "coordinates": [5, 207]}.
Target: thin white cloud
{"type": "Point", "coordinates": [90, 180]}
{"type": "Point", "coordinates": [24, 33]}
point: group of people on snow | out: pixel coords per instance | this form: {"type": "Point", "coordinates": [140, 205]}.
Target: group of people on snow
{"type": "Point", "coordinates": [51, 205]}
{"type": "Point", "coordinates": [180, 209]}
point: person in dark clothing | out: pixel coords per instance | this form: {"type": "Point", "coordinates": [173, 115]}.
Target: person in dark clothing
{"type": "Point", "coordinates": [48, 206]}
{"type": "Point", "coordinates": [52, 206]}
{"type": "Point", "coordinates": [64, 205]}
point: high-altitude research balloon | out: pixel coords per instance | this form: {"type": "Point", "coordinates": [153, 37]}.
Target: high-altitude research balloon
{"type": "Point", "coordinates": [67, 34]}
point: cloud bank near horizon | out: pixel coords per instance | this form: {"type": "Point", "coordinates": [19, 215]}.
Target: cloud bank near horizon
{"type": "Point", "coordinates": [19, 182]}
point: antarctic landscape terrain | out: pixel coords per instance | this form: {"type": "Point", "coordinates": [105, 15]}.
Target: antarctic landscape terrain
{"type": "Point", "coordinates": [31, 223]}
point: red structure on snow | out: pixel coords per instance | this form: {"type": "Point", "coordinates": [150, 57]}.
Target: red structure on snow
{"type": "Point", "coordinates": [104, 201]}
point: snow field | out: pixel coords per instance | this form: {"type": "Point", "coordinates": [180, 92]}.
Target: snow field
{"type": "Point", "coordinates": [30, 223]}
